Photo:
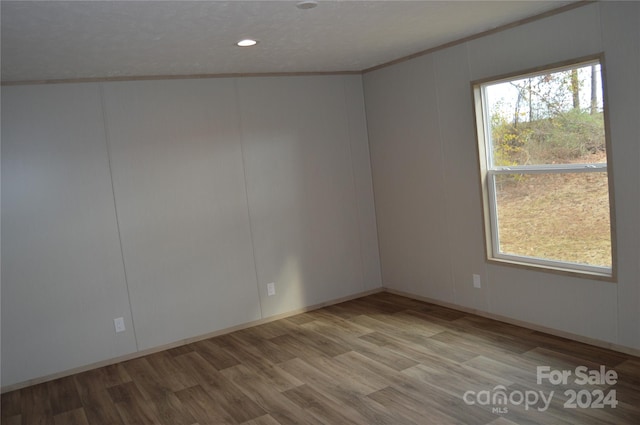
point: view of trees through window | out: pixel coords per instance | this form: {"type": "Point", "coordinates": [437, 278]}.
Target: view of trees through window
{"type": "Point", "coordinates": [547, 166]}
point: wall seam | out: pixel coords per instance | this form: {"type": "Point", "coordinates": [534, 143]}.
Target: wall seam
{"type": "Point", "coordinates": [107, 138]}
{"type": "Point", "coordinates": [246, 193]}
{"type": "Point", "coordinates": [373, 185]}
{"type": "Point", "coordinates": [445, 199]}
{"type": "Point", "coordinates": [487, 280]}
{"type": "Point", "coordinates": [638, 134]}
{"type": "Point", "coordinates": [354, 180]}
{"type": "Point", "coordinates": [615, 266]}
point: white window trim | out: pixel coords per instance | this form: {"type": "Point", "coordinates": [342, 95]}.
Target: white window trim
{"type": "Point", "coordinates": [489, 172]}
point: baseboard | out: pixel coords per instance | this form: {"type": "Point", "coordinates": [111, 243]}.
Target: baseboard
{"type": "Point", "coordinates": [142, 353]}
{"type": "Point", "coordinates": [505, 319]}
{"type": "Point", "coordinates": [528, 325]}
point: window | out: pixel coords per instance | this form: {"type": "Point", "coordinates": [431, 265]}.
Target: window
{"type": "Point", "coordinates": [543, 160]}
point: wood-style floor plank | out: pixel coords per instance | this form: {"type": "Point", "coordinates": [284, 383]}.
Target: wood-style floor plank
{"type": "Point", "coordinates": [36, 405]}
{"type": "Point", "coordinates": [131, 405]}
{"type": "Point", "coordinates": [203, 406]}
{"type": "Point", "coordinates": [260, 390]}
{"type": "Point", "coordinates": [63, 395]}
{"type": "Point", "coordinates": [71, 417]}
{"type": "Point", "coordinates": [380, 359]}
{"type": "Point", "coordinates": [10, 405]}
{"type": "Point", "coordinates": [226, 395]}
{"type": "Point", "coordinates": [394, 400]}
{"type": "Point", "coordinates": [99, 407]}
{"type": "Point", "coordinates": [12, 420]}
{"type": "Point", "coordinates": [262, 420]}
{"type": "Point", "coordinates": [214, 353]}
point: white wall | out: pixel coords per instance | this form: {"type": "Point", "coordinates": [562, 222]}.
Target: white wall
{"type": "Point", "coordinates": [62, 276]}
{"type": "Point", "coordinates": [309, 188]}
{"type": "Point", "coordinates": [426, 179]}
{"type": "Point", "coordinates": [173, 204]}
{"type": "Point", "coordinates": [178, 177]}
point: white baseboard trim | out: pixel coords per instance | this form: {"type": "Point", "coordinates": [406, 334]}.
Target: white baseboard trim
{"type": "Point", "coordinates": [509, 320]}
{"type": "Point", "coordinates": [142, 353]}
{"type": "Point", "coordinates": [528, 325]}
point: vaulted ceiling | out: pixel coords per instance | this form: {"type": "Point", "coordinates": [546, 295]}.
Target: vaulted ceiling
{"type": "Point", "coordinates": [48, 40]}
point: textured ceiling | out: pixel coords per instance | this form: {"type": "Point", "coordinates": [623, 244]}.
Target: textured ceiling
{"type": "Point", "coordinates": [88, 39]}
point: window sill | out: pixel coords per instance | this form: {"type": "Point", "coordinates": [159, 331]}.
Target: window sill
{"type": "Point", "coordinates": [564, 271]}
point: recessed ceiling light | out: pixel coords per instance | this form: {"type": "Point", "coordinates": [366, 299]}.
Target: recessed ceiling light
{"type": "Point", "coordinates": [306, 4]}
{"type": "Point", "coordinates": [247, 43]}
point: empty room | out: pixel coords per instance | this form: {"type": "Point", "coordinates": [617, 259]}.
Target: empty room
{"type": "Point", "coordinates": [320, 212]}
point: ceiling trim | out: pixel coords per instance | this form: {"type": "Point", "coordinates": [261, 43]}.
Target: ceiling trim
{"type": "Point", "coordinates": [501, 28]}
{"type": "Point", "coordinates": [174, 77]}
{"type": "Point", "coordinates": [514, 24]}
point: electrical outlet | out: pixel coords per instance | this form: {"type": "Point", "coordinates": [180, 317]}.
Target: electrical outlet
{"type": "Point", "coordinates": [476, 281]}
{"type": "Point", "coordinates": [119, 324]}
{"type": "Point", "coordinates": [271, 288]}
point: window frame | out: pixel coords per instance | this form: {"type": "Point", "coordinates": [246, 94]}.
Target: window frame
{"type": "Point", "coordinates": [488, 172]}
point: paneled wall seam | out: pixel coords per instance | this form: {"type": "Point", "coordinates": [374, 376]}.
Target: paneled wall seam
{"type": "Point", "coordinates": [611, 172]}
{"type": "Point", "coordinates": [105, 123]}
{"type": "Point", "coordinates": [246, 192]}
{"type": "Point", "coordinates": [487, 279]}
{"type": "Point", "coordinates": [373, 182]}
{"type": "Point", "coordinates": [355, 183]}
{"type": "Point", "coordinates": [443, 175]}
{"type": "Point", "coordinates": [638, 123]}
{"type": "Point", "coordinates": [373, 191]}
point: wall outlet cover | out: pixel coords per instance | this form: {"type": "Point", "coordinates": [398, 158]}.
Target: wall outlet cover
{"type": "Point", "coordinates": [476, 281]}
{"type": "Point", "coordinates": [119, 324]}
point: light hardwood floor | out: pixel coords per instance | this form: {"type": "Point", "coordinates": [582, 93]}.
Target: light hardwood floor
{"type": "Point", "coordinates": [381, 359]}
